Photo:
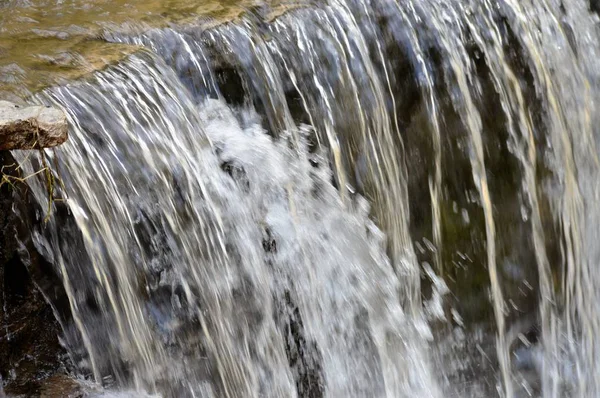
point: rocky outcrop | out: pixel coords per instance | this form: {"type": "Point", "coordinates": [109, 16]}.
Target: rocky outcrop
{"type": "Point", "coordinates": [31, 127]}
{"type": "Point", "coordinates": [31, 355]}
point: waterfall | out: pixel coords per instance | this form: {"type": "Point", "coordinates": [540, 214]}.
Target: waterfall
{"type": "Point", "coordinates": [360, 198]}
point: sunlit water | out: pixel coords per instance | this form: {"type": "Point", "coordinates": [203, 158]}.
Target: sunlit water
{"type": "Point", "coordinates": [356, 199]}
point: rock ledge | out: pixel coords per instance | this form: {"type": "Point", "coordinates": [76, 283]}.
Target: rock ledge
{"type": "Point", "coordinates": [31, 127]}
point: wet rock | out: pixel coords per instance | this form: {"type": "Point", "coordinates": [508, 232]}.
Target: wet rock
{"type": "Point", "coordinates": [30, 350]}
{"type": "Point", "coordinates": [303, 354]}
{"type": "Point", "coordinates": [61, 386]}
{"type": "Point", "coordinates": [31, 127]}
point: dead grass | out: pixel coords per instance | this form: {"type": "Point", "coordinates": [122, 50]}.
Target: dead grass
{"type": "Point", "coordinates": [13, 177]}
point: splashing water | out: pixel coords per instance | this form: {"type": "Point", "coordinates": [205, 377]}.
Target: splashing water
{"type": "Point", "coordinates": [345, 201]}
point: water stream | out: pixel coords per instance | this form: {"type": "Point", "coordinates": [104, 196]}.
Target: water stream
{"type": "Point", "coordinates": [354, 199]}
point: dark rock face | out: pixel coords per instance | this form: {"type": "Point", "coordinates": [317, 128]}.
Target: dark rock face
{"type": "Point", "coordinates": [31, 127]}
{"type": "Point", "coordinates": [30, 351]}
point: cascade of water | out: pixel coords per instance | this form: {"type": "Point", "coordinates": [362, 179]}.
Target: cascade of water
{"type": "Point", "coordinates": [224, 188]}
{"type": "Point", "coordinates": [183, 231]}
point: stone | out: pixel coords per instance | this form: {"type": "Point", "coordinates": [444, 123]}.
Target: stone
{"type": "Point", "coordinates": [31, 127]}
{"type": "Point", "coordinates": [61, 386]}
{"type": "Point", "coordinates": [32, 357]}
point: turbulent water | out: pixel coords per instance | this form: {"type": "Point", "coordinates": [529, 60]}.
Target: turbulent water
{"type": "Point", "coordinates": [355, 199]}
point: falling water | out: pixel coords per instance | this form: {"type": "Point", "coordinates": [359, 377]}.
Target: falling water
{"type": "Point", "coordinates": [360, 198]}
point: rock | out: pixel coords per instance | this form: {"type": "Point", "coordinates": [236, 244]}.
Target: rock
{"type": "Point", "coordinates": [61, 386]}
{"type": "Point", "coordinates": [31, 127]}
{"type": "Point", "coordinates": [30, 348]}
